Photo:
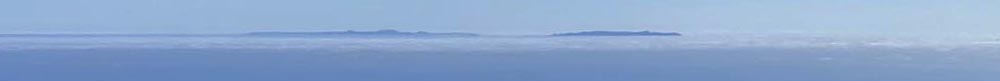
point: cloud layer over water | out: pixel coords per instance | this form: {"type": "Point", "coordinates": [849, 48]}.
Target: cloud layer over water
{"type": "Point", "coordinates": [492, 43]}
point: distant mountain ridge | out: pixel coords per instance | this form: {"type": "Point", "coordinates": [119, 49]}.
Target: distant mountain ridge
{"type": "Point", "coordinates": [362, 33]}
{"type": "Point", "coordinates": [349, 33]}
{"type": "Point", "coordinates": [618, 33]}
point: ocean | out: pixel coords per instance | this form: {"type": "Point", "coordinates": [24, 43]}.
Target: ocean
{"type": "Point", "coordinates": [496, 58]}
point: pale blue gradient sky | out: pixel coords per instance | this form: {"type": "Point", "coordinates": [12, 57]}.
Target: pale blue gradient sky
{"type": "Point", "coordinates": [909, 17]}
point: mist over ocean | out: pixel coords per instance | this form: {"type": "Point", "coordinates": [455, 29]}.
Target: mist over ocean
{"type": "Point", "coordinates": [499, 40]}
{"type": "Point", "coordinates": [496, 58]}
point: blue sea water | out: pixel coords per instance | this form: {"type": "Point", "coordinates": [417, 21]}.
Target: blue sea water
{"type": "Point", "coordinates": [795, 58]}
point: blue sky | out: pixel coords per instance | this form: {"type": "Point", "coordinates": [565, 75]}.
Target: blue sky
{"type": "Point", "coordinates": [908, 17]}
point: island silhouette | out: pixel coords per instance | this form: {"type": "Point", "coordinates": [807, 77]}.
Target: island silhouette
{"type": "Point", "coordinates": [396, 33]}
{"type": "Point", "coordinates": [378, 33]}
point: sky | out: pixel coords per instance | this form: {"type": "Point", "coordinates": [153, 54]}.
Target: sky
{"type": "Point", "coordinates": [904, 17]}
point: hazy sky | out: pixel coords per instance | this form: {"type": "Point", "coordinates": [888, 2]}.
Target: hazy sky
{"type": "Point", "coordinates": [500, 16]}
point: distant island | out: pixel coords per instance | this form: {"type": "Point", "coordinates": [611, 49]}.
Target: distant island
{"type": "Point", "coordinates": [618, 33]}
{"type": "Point", "coordinates": [351, 33]}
